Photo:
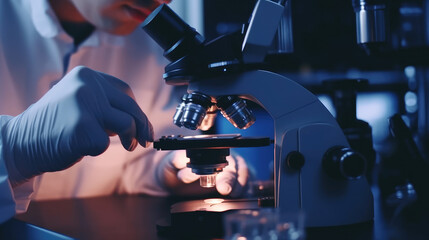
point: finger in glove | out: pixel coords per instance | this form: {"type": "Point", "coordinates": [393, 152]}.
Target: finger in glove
{"type": "Point", "coordinates": [121, 97]}
{"type": "Point", "coordinates": [232, 180]}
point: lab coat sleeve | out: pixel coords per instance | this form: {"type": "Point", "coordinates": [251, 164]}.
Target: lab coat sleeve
{"type": "Point", "coordinates": [12, 200]}
{"type": "Point", "coordinates": [141, 175]}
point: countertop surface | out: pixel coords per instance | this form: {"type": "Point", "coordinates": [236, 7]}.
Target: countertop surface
{"type": "Point", "coordinates": [137, 217]}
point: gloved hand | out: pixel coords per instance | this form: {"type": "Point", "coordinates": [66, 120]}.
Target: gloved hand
{"type": "Point", "coordinates": [73, 119]}
{"type": "Point", "coordinates": [180, 180]}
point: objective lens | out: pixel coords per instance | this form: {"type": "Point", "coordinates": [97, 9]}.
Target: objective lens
{"type": "Point", "coordinates": [191, 112]}
{"type": "Point", "coordinates": [178, 115]}
{"type": "Point", "coordinates": [208, 181]}
{"type": "Point", "coordinates": [193, 115]}
{"type": "Point", "coordinates": [235, 110]}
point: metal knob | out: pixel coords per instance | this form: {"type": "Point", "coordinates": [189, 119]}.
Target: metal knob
{"type": "Point", "coordinates": [344, 163]}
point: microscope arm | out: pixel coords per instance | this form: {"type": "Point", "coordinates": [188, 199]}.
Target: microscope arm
{"type": "Point", "coordinates": [302, 124]}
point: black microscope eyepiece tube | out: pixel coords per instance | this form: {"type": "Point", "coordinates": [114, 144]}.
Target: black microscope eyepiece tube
{"type": "Point", "coordinates": [164, 26]}
{"type": "Point", "coordinates": [171, 33]}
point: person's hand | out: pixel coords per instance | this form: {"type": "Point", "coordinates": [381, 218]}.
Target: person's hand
{"type": "Point", "coordinates": [173, 174]}
{"type": "Point", "coordinates": [73, 119]}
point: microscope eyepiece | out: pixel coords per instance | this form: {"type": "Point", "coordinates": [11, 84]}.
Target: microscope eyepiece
{"type": "Point", "coordinates": [174, 35]}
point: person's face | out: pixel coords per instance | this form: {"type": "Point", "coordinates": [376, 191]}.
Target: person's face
{"type": "Point", "coordinates": [116, 16]}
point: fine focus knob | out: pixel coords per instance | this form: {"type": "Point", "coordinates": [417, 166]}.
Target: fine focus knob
{"type": "Point", "coordinates": [344, 163]}
{"type": "Point", "coordinates": [295, 160]}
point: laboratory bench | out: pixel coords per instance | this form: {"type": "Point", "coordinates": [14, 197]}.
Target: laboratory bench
{"type": "Point", "coordinates": [140, 217]}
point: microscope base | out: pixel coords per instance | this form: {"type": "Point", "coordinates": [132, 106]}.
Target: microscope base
{"type": "Point", "coordinates": [197, 219]}
{"type": "Point", "coordinates": [201, 219]}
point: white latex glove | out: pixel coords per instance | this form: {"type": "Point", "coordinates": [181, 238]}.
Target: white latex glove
{"type": "Point", "coordinates": [180, 180]}
{"type": "Point", "coordinates": [73, 119]}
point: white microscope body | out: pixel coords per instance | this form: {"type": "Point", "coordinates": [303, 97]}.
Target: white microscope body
{"type": "Point", "coordinates": [302, 124]}
{"type": "Point", "coordinates": [329, 185]}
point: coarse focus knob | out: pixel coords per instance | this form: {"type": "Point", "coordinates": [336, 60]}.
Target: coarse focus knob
{"type": "Point", "coordinates": [344, 163]}
{"type": "Point", "coordinates": [295, 160]}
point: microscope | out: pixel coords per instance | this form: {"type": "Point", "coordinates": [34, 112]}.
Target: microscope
{"type": "Point", "coordinates": [315, 170]}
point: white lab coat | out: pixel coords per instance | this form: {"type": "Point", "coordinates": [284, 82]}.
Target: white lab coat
{"type": "Point", "coordinates": [33, 53]}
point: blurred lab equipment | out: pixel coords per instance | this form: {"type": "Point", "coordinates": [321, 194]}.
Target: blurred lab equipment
{"type": "Point", "coordinates": [413, 165]}
{"type": "Point", "coordinates": [264, 223]}
{"type": "Point", "coordinates": [402, 182]}
{"type": "Point", "coordinates": [306, 135]}
{"type": "Point", "coordinates": [370, 23]}
{"type": "Point", "coordinates": [358, 132]}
